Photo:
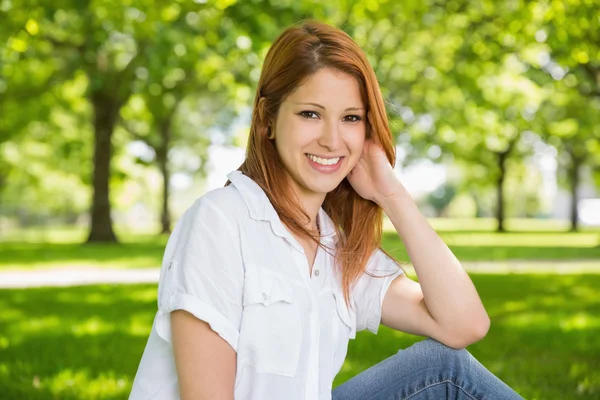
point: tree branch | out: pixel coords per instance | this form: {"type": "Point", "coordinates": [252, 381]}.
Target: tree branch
{"type": "Point", "coordinates": [593, 73]}
{"type": "Point", "coordinates": [136, 135]}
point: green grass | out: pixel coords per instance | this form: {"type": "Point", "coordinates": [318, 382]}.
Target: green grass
{"type": "Point", "coordinates": [64, 255]}
{"type": "Point", "coordinates": [86, 342]}
{"type": "Point", "coordinates": [470, 240]}
{"type": "Point", "coordinates": [483, 246]}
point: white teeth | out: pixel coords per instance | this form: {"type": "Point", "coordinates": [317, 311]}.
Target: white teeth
{"type": "Point", "coordinates": [322, 161]}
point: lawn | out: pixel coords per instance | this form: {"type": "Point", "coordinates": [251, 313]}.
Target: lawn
{"type": "Point", "coordinates": [470, 240]}
{"type": "Point", "coordinates": [86, 342]}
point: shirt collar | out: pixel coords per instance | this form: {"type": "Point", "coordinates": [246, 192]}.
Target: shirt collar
{"type": "Point", "coordinates": [261, 209]}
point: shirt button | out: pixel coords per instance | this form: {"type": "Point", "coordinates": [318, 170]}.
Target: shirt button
{"type": "Point", "coordinates": [317, 272]}
{"type": "Point", "coordinates": [170, 264]}
{"type": "Point", "coordinates": [265, 296]}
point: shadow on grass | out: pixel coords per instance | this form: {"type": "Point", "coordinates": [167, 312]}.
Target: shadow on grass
{"type": "Point", "coordinates": [73, 343]}
{"type": "Point", "coordinates": [86, 342]}
{"type": "Point", "coordinates": [138, 254]}
{"type": "Point", "coordinates": [147, 251]}
{"type": "Point", "coordinates": [498, 252]}
{"type": "Point", "coordinates": [544, 340]}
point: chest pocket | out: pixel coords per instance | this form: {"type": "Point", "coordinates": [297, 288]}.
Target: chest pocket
{"type": "Point", "coordinates": [271, 328]}
{"type": "Point", "coordinates": [346, 316]}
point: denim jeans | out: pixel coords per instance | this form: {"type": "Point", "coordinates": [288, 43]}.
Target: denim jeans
{"type": "Point", "coordinates": [427, 370]}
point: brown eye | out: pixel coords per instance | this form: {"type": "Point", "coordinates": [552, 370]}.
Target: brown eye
{"type": "Point", "coordinates": [309, 114]}
{"type": "Point", "coordinates": [353, 118]}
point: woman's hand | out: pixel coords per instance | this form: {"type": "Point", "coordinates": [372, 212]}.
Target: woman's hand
{"type": "Point", "coordinates": [373, 177]}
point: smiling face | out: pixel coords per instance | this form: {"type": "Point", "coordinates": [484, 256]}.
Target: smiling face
{"type": "Point", "coordinates": [320, 131]}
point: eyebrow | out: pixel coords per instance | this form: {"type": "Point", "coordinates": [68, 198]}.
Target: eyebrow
{"type": "Point", "coordinates": [320, 106]}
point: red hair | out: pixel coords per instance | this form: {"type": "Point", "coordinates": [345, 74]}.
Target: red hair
{"type": "Point", "coordinates": [296, 54]}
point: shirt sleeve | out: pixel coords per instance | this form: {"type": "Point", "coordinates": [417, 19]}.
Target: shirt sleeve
{"type": "Point", "coordinates": [369, 291]}
{"type": "Point", "coordinates": [202, 272]}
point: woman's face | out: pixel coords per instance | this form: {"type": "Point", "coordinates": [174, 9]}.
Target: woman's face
{"type": "Point", "coordinates": [325, 118]}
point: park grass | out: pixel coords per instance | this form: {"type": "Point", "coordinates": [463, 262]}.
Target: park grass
{"type": "Point", "coordinates": [470, 240]}
{"type": "Point", "coordinates": [86, 341]}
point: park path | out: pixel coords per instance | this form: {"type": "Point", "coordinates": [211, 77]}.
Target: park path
{"type": "Point", "coordinates": [74, 276]}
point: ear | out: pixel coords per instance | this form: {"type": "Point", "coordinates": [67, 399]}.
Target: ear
{"type": "Point", "coordinates": [261, 108]}
{"type": "Point", "coordinates": [266, 127]}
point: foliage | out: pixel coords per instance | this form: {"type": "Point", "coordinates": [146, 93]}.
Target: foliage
{"type": "Point", "coordinates": [464, 84]}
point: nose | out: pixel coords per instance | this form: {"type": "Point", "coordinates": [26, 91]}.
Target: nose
{"type": "Point", "coordinates": [330, 137]}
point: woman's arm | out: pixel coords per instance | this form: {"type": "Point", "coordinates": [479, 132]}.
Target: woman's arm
{"type": "Point", "coordinates": [444, 304]}
{"type": "Point", "coordinates": [449, 303]}
{"type": "Point", "coordinates": [206, 363]}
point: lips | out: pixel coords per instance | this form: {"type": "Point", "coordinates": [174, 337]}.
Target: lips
{"type": "Point", "coordinates": [324, 168]}
{"type": "Point", "coordinates": [324, 160]}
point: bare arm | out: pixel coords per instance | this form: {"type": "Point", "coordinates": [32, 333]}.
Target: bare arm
{"type": "Point", "coordinates": [444, 304]}
{"type": "Point", "coordinates": [205, 362]}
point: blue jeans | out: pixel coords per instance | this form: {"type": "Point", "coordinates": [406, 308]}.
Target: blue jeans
{"type": "Point", "coordinates": [427, 370]}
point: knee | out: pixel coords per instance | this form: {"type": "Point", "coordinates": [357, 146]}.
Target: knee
{"type": "Point", "coordinates": [434, 351]}
{"type": "Point", "coordinates": [433, 345]}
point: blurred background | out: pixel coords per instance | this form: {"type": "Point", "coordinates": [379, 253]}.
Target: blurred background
{"type": "Point", "coordinates": [116, 116]}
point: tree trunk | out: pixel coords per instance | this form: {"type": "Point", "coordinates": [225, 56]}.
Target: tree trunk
{"type": "Point", "coordinates": [499, 190]}
{"type": "Point", "coordinates": [106, 110]}
{"type": "Point", "coordinates": [162, 158]}
{"type": "Point", "coordinates": [574, 178]}
{"type": "Point", "coordinates": [3, 180]}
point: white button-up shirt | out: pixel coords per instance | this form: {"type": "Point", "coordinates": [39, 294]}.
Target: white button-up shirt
{"type": "Point", "coordinates": [231, 262]}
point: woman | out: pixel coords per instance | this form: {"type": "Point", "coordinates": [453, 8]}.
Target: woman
{"type": "Point", "coordinates": [265, 280]}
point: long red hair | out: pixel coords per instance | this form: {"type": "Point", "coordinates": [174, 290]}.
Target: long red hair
{"type": "Point", "coordinates": [296, 54]}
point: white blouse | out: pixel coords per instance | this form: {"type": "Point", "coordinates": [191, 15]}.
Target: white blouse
{"type": "Point", "coordinates": [231, 262]}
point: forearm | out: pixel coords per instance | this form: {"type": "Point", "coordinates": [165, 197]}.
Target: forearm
{"type": "Point", "coordinates": [448, 292]}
